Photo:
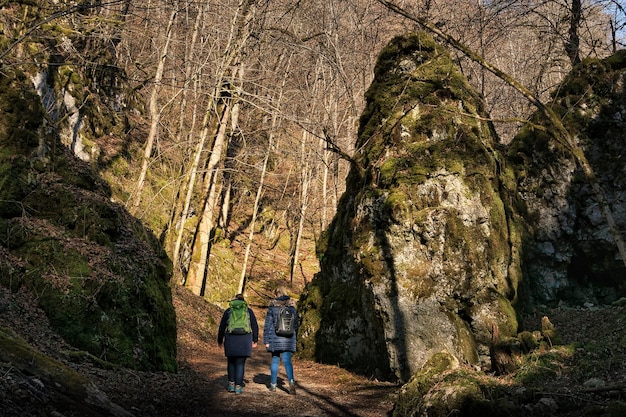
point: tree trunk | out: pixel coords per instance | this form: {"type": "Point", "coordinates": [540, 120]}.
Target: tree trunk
{"type": "Point", "coordinates": [181, 206]}
{"type": "Point", "coordinates": [259, 193]}
{"type": "Point", "coordinates": [196, 277]}
{"type": "Point", "coordinates": [305, 180]}
{"type": "Point", "coordinates": [255, 212]}
{"type": "Point", "coordinates": [211, 127]}
{"type": "Point", "coordinates": [154, 111]}
{"type": "Point", "coordinates": [572, 45]}
{"type": "Point", "coordinates": [200, 250]}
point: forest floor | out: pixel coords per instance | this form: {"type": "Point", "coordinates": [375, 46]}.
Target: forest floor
{"type": "Point", "coordinates": [199, 386]}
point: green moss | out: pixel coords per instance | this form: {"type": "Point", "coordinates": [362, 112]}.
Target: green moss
{"type": "Point", "coordinates": [372, 263]}
{"type": "Point", "coordinates": [21, 114]}
{"type": "Point", "coordinates": [58, 28]}
{"type": "Point", "coordinates": [466, 341]}
{"type": "Point", "coordinates": [32, 362]}
{"type": "Point", "coordinates": [509, 325]}
{"type": "Point", "coordinates": [91, 309]}
{"type": "Point", "coordinates": [120, 167]}
{"type": "Point", "coordinates": [309, 307]}
{"type": "Point", "coordinates": [223, 275]}
{"type": "Point", "coordinates": [543, 365]}
{"type": "Point", "coordinates": [413, 392]}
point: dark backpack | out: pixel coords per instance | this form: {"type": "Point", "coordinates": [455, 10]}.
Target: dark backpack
{"type": "Point", "coordinates": [239, 319]}
{"type": "Point", "coordinates": [285, 322]}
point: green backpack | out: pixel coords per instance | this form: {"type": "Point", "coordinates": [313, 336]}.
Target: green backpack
{"type": "Point", "coordinates": [239, 319]}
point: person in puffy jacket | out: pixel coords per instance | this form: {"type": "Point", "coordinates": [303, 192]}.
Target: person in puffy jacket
{"type": "Point", "coordinates": [281, 347]}
{"type": "Point", "coordinates": [237, 348]}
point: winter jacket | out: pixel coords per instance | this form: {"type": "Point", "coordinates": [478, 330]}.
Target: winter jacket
{"type": "Point", "coordinates": [237, 344]}
{"type": "Point", "coordinates": [279, 343]}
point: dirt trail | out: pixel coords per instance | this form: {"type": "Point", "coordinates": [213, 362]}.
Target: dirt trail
{"type": "Point", "coordinates": [321, 390]}
{"type": "Point", "coordinates": [199, 388]}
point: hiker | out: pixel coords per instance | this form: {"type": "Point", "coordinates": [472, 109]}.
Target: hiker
{"type": "Point", "coordinates": [239, 332]}
{"type": "Point", "coordinates": [281, 342]}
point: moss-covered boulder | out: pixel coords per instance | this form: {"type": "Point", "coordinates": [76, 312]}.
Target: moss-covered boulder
{"type": "Point", "coordinates": [100, 275]}
{"type": "Point", "coordinates": [443, 388]}
{"type": "Point", "coordinates": [417, 259]}
{"type": "Point", "coordinates": [55, 385]}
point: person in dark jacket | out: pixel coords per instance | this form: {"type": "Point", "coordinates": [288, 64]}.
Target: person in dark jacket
{"type": "Point", "coordinates": [237, 348]}
{"type": "Point", "coordinates": [281, 347]}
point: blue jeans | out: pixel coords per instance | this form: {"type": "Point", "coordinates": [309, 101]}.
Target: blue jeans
{"type": "Point", "coordinates": [236, 369]}
{"type": "Point", "coordinates": [276, 357]}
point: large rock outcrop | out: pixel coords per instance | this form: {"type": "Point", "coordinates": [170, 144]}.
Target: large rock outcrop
{"type": "Point", "coordinates": [569, 252]}
{"type": "Point", "coordinates": [442, 234]}
{"type": "Point", "coordinates": [100, 275]}
{"type": "Point", "coordinates": [417, 260]}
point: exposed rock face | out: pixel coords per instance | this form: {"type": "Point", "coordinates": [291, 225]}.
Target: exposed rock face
{"type": "Point", "coordinates": [417, 258]}
{"type": "Point", "coordinates": [569, 252]}
{"type": "Point", "coordinates": [101, 277]}
{"type": "Point", "coordinates": [438, 235]}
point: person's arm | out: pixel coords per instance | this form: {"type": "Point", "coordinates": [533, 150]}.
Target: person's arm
{"type": "Point", "coordinates": [222, 329]}
{"type": "Point", "coordinates": [268, 328]}
{"type": "Point", "coordinates": [255, 328]}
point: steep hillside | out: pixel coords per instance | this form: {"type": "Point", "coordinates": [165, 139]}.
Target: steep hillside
{"type": "Point", "coordinates": [99, 274]}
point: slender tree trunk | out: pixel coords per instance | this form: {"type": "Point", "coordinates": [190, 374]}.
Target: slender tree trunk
{"type": "Point", "coordinates": [182, 204]}
{"type": "Point", "coordinates": [210, 129]}
{"type": "Point", "coordinates": [255, 212]}
{"type": "Point", "coordinates": [305, 181]}
{"type": "Point", "coordinates": [572, 45]}
{"type": "Point", "coordinates": [259, 193]}
{"type": "Point", "coordinates": [200, 250]}
{"type": "Point", "coordinates": [153, 108]}
{"type": "Point", "coordinates": [196, 277]}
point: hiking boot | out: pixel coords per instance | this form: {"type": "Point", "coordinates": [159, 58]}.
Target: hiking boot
{"type": "Point", "coordinates": [231, 386]}
{"type": "Point", "coordinates": [272, 387]}
{"type": "Point", "coordinates": [292, 387]}
{"type": "Point", "coordinates": [238, 389]}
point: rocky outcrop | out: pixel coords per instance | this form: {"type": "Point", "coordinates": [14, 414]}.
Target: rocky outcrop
{"type": "Point", "coordinates": [442, 234]}
{"type": "Point", "coordinates": [569, 252]}
{"type": "Point", "coordinates": [417, 260]}
{"type": "Point", "coordinates": [101, 276]}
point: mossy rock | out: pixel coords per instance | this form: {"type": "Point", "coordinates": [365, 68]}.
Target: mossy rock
{"type": "Point", "coordinates": [412, 393]}
{"type": "Point", "coordinates": [59, 384]}
{"type": "Point", "coordinates": [100, 275]}
{"type": "Point", "coordinates": [444, 388]}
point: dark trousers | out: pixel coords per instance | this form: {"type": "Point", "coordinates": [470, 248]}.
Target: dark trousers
{"type": "Point", "coordinates": [236, 369]}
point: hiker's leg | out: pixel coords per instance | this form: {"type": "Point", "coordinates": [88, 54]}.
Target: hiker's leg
{"type": "Point", "coordinates": [231, 369]}
{"type": "Point", "coordinates": [286, 357]}
{"type": "Point", "coordinates": [274, 367]}
{"type": "Point", "coordinates": [240, 368]}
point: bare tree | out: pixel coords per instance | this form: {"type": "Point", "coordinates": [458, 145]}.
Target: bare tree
{"type": "Point", "coordinates": [155, 114]}
{"type": "Point", "coordinates": [233, 61]}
